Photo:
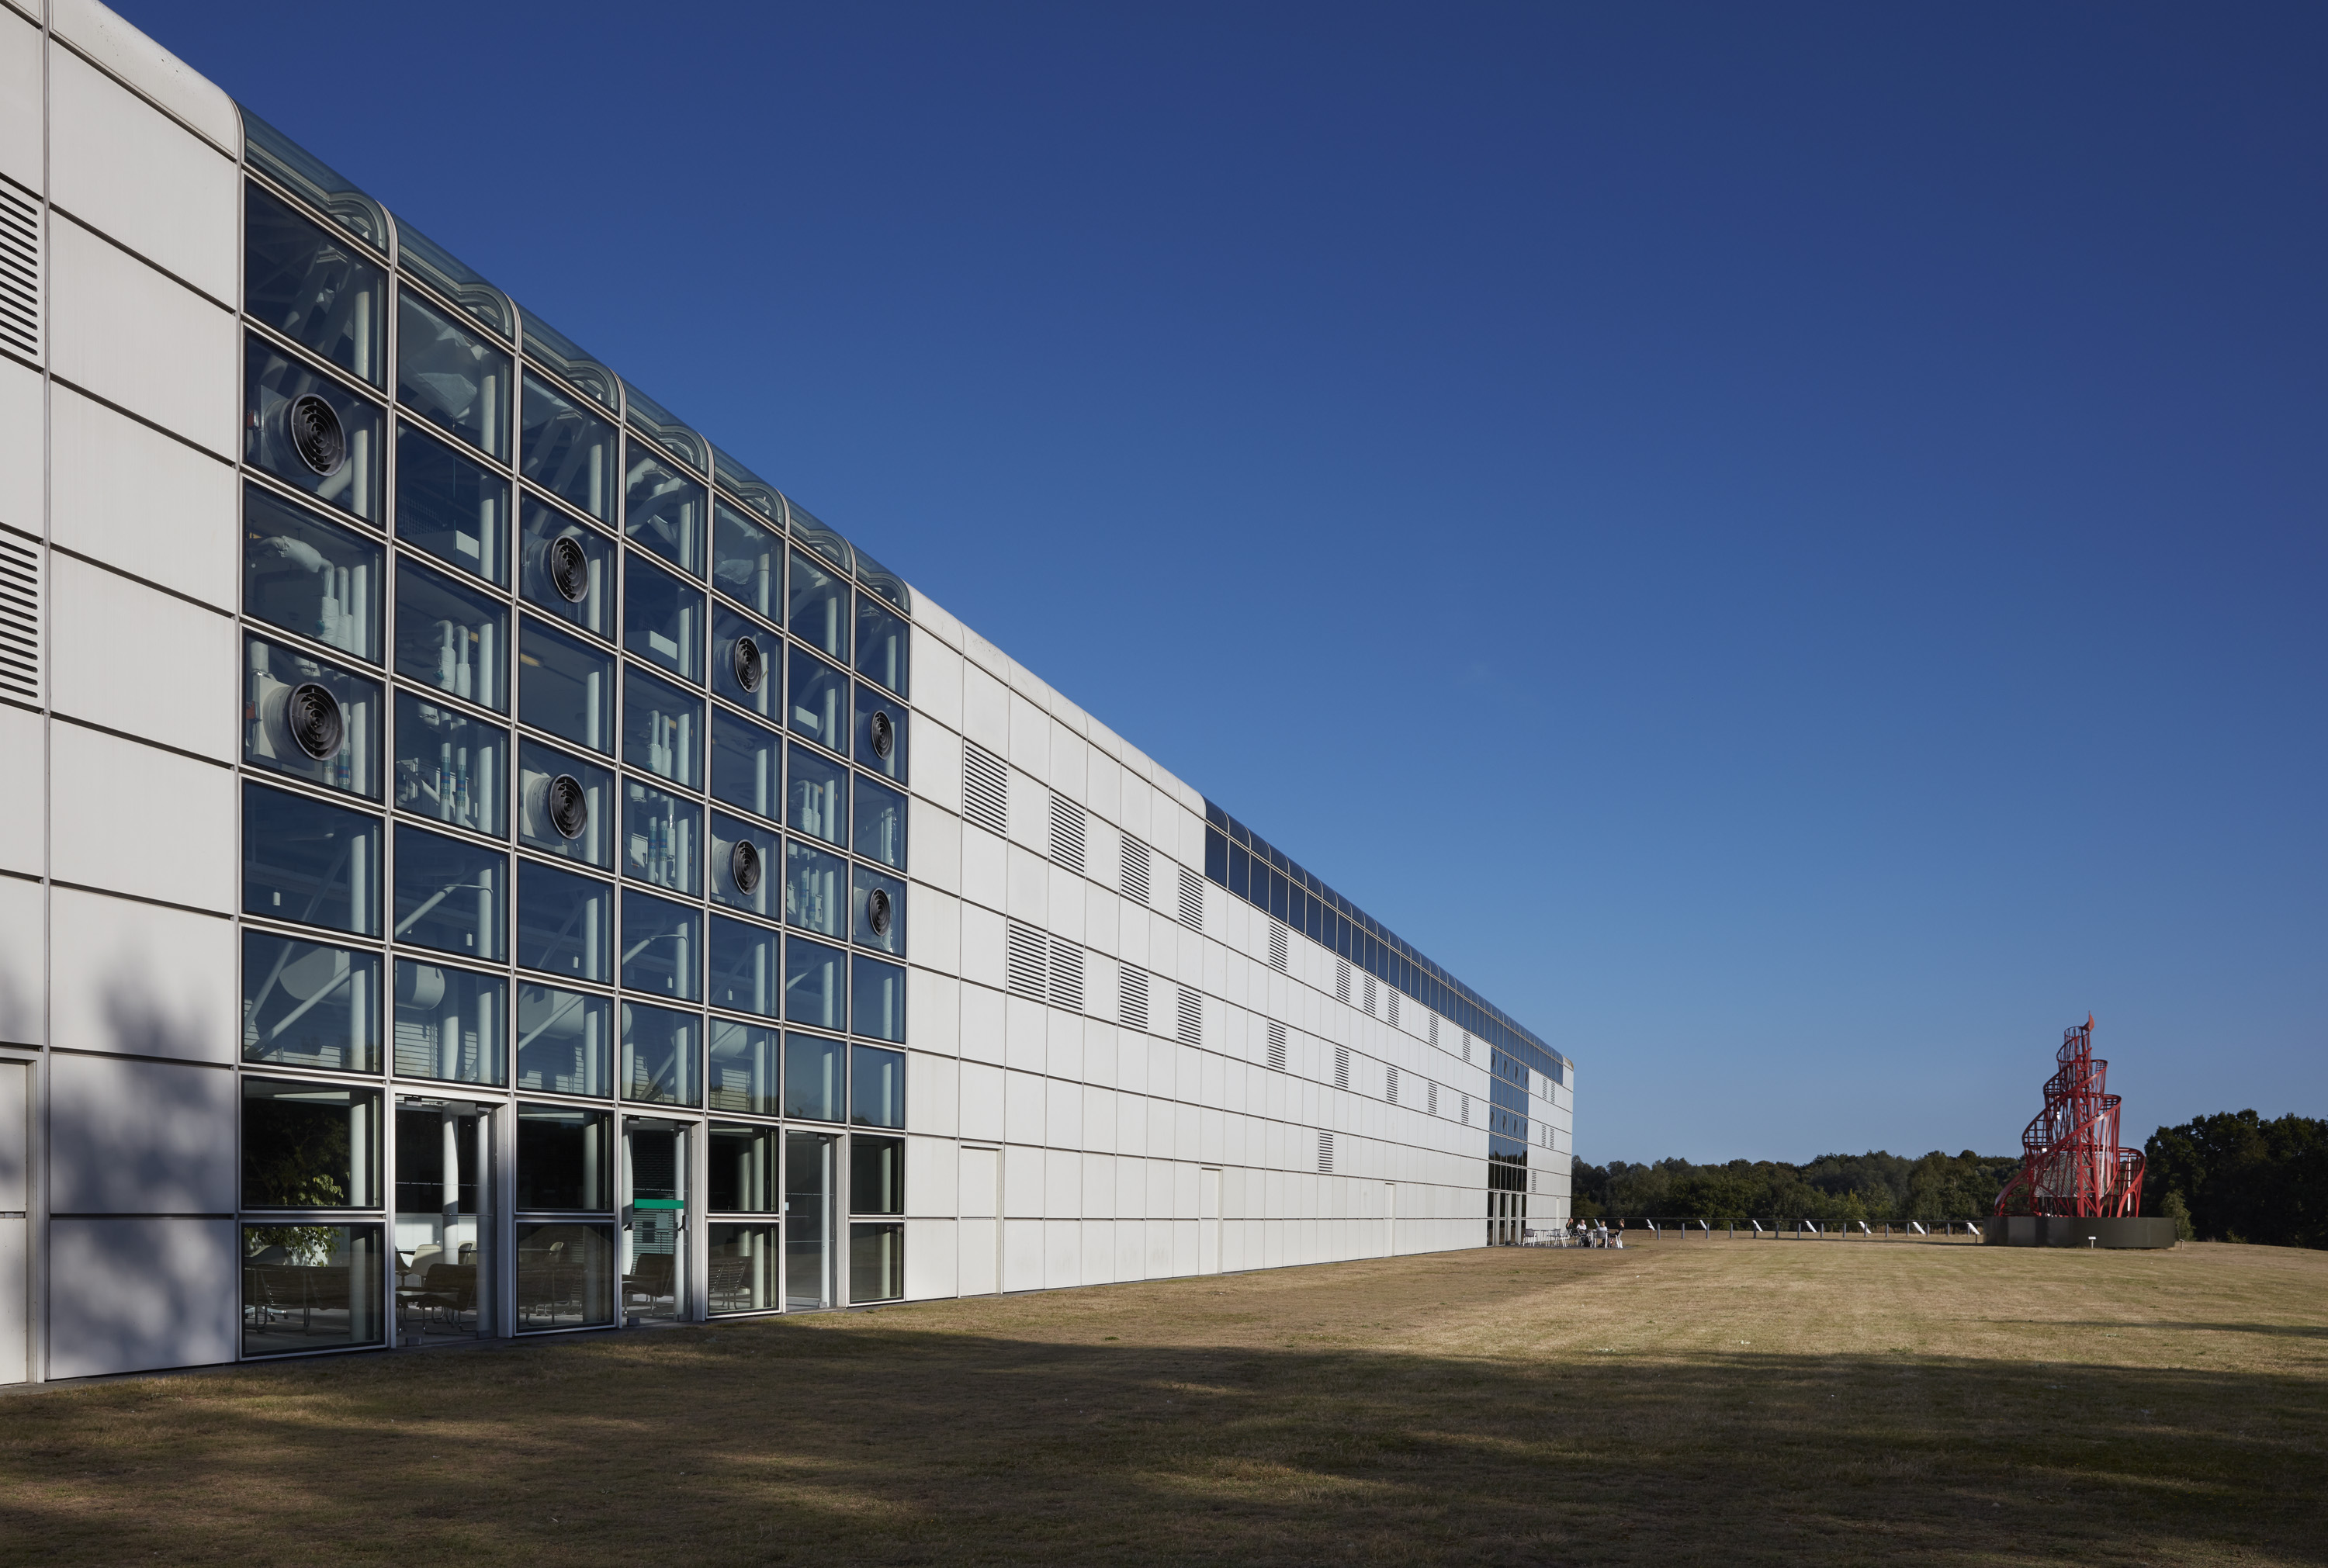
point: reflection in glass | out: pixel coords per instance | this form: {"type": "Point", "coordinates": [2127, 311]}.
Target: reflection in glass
{"type": "Point", "coordinates": [310, 576]}
{"type": "Point", "coordinates": [448, 895]}
{"type": "Point", "coordinates": [455, 510]}
{"type": "Point", "coordinates": [742, 1074]}
{"type": "Point", "coordinates": [450, 637]}
{"type": "Point", "coordinates": [877, 1009]}
{"type": "Point", "coordinates": [564, 806]}
{"type": "Point", "coordinates": [662, 619]}
{"type": "Point", "coordinates": [817, 702]}
{"type": "Point", "coordinates": [654, 1222]}
{"type": "Point", "coordinates": [877, 1263]}
{"type": "Point", "coordinates": [449, 766]}
{"type": "Point", "coordinates": [747, 560]}
{"type": "Point", "coordinates": [565, 923]}
{"type": "Point", "coordinates": [453, 279]}
{"type": "Point", "coordinates": [743, 1268]}
{"type": "Point", "coordinates": [881, 823]}
{"type": "Point", "coordinates": [743, 966]}
{"type": "Point", "coordinates": [815, 1071]}
{"type": "Point", "coordinates": [821, 538]}
{"type": "Point", "coordinates": [743, 864]}
{"type": "Point", "coordinates": [304, 1005]}
{"type": "Point", "coordinates": [876, 1175]}
{"type": "Point", "coordinates": [563, 1040]}
{"type": "Point", "coordinates": [562, 1159]}
{"type": "Point", "coordinates": [881, 643]}
{"type": "Point", "coordinates": [310, 1287]}
{"type": "Point", "coordinates": [743, 1169]}
{"type": "Point", "coordinates": [817, 607]}
{"type": "Point", "coordinates": [291, 166]}
{"type": "Point", "coordinates": [566, 687]}
{"type": "Point", "coordinates": [311, 432]}
{"type": "Point", "coordinates": [565, 1276]}
{"type": "Point", "coordinates": [746, 665]}
{"type": "Point", "coordinates": [309, 1145]}
{"type": "Point", "coordinates": [448, 1024]}
{"type": "Point", "coordinates": [881, 726]}
{"type": "Point", "coordinates": [660, 838]}
{"type": "Point", "coordinates": [747, 765]}
{"type": "Point", "coordinates": [741, 484]}
{"type": "Point", "coordinates": [814, 884]}
{"type": "Point", "coordinates": [878, 912]}
{"type": "Point", "coordinates": [565, 568]}
{"type": "Point", "coordinates": [550, 347]}
{"type": "Point", "coordinates": [569, 451]}
{"type": "Point", "coordinates": [882, 583]}
{"type": "Point", "coordinates": [295, 706]}
{"type": "Point", "coordinates": [450, 376]}
{"type": "Point", "coordinates": [818, 796]}
{"type": "Point", "coordinates": [661, 952]}
{"type": "Point", "coordinates": [810, 1265]}
{"type": "Point", "coordinates": [443, 1272]}
{"type": "Point", "coordinates": [663, 729]}
{"type": "Point", "coordinates": [307, 861]}
{"type": "Point", "coordinates": [876, 1090]}
{"type": "Point", "coordinates": [659, 1051]}
{"type": "Point", "coordinates": [663, 511]}
{"type": "Point", "coordinates": [312, 286]}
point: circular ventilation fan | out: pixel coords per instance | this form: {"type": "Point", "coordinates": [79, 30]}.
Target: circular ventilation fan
{"type": "Point", "coordinates": [316, 436]}
{"type": "Point", "coordinates": [744, 866]}
{"type": "Point", "coordinates": [567, 807]}
{"type": "Point", "coordinates": [751, 665]}
{"type": "Point", "coordinates": [885, 734]}
{"type": "Point", "coordinates": [313, 715]}
{"type": "Point", "coordinates": [569, 568]}
{"type": "Point", "coordinates": [876, 912]}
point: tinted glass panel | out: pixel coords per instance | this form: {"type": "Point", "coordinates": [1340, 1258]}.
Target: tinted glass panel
{"type": "Point", "coordinates": [309, 1146]}
{"type": "Point", "coordinates": [881, 733]}
{"type": "Point", "coordinates": [292, 166]}
{"type": "Point", "coordinates": [818, 606]}
{"type": "Point", "coordinates": [877, 1088]}
{"type": "Point", "coordinates": [565, 1159]}
{"type": "Point", "coordinates": [452, 377]}
{"type": "Point", "coordinates": [748, 663]}
{"type": "Point", "coordinates": [311, 1287]}
{"type": "Point", "coordinates": [877, 998]}
{"type": "Point", "coordinates": [662, 948]}
{"type": "Point", "coordinates": [817, 796]}
{"type": "Point", "coordinates": [820, 539]}
{"type": "Point", "coordinates": [566, 687]}
{"type": "Point", "coordinates": [744, 872]}
{"type": "Point", "coordinates": [449, 1023]}
{"type": "Point", "coordinates": [743, 1076]}
{"type": "Point", "coordinates": [569, 451]}
{"type": "Point", "coordinates": [307, 861]}
{"type": "Point", "coordinates": [309, 577]}
{"type": "Point", "coordinates": [312, 433]}
{"type": "Point", "coordinates": [663, 729]}
{"type": "Point", "coordinates": [662, 837]}
{"type": "Point", "coordinates": [747, 765]}
{"type": "Point", "coordinates": [450, 637]}
{"type": "Point", "coordinates": [743, 1158]}
{"type": "Point", "coordinates": [549, 346]}
{"type": "Point", "coordinates": [659, 1051]}
{"type": "Point", "coordinates": [295, 706]}
{"type": "Point", "coordinates": [878, 912]}
{"type": "Point", "coordinates": [881, 823]}
{"type": "Point", "coordinates": [744, 967]}
{"type": "Point", "coordinates": [312, 286]}
{"type": "Point", "coordinates": [565, 1277]}
{"type": "Point", "coordinates": [564, 806]}
{"type": "Point", "coordinates": [449, 766]}
{"type": "Point", "coordinates": [662, 619]}
{"type": "Point", "coordinates": [566, 569]}
{"type": "Point", "coordinates": [747, 560]}
{"type": "Point", "coordinates": [563, 1041]}
{"type": "Point", "coordinates": [455, 510]}
{"type": "Point", "coordinates": [881, 643]}
{"type": "Point", "coordinates": [817, 704]}
{"type": "Point", "coordinates": [450, 895]}
{"type": "Point", "coordinates": [877, 1263]}
{"type": "Point", "coordinates": [816, 984]}
{"type": "Point", "coordinates": [663, 511]}
{"type": "Point", "coordinates": [304, 1005]}
{"type": "Point", "coordinates": [876, 1174]}
{"type": "Point", "coordinates": [814, 1072]}
{"type": "Point", "coordinates": [815, 885]}
{"type": "Point", "coordinates": [565, 923]}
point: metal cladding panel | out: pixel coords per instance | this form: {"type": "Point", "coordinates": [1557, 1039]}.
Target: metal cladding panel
{"type": "Point", "coordinates": [130, 1295]}
{"type": "Point", "coordinates": [139, 340]}
{"type": "Point", "coordinates": [140, 661]}
{"type": "Point", "coordinates": [152, 70]}
{"type": "Point", "coordinates": [127, 495]}
{"type": "Point", "coordinates": [135, 978]}
{"type": "Point", "coordinates": [20, 101]}
{"type": "Point", "coordinates": [111, 802]}
{"type": "Point", "coordinates": [24, 980]}
{"type": "Point", "coordinates": [130, 1137]}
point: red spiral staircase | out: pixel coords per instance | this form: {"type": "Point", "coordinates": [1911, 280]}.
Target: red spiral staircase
{"type": "Point", "coordinates": [2071, 1162]}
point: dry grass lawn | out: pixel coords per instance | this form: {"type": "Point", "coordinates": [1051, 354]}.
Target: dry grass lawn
{"type": "Point", "coordinates": [1673, 1403]}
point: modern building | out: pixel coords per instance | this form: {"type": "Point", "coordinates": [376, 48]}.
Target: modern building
{"type": "Point", "coordinates": [477, 859]}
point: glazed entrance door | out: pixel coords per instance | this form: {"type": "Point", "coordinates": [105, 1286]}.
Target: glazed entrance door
{"type": "Point", "coordinates": [654, 1221]}
{"type": "Point", "coordinates": [444, 1222]}
{"type": "Point", "coordinates": [811, 1250]}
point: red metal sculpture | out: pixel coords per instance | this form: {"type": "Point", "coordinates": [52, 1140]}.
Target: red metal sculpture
{"type": "Point", "coordinates": [2071, 1162]}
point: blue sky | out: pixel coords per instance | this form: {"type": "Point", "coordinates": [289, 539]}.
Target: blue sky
{"type": "Point", "coordinates": [1784, 545]}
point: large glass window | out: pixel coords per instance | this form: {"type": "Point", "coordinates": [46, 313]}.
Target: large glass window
{"type": "Point", "coordinates": [815, 885]}
{"type": "Point", "coordinates": [742, 1168]}
{"type": "Point", "coordinates": [747, 560]}
{"type": "Point", "coordinates": [816, 984]}
{"type": "Point", "coordinates": [309, 1145]}
{"type": "Point", "coordinates": [449, 895]}
{"type": "Point", "coordinates": [663, 729]}
{"type": "Point", "coordinates": [743, 864]}
{"type": "Point", "coordinates": [744, 967]}
{"type": "Point", "coordinates": [308, 430]}
{"type": "Point", "coordinates": [817, 796]}
{"type": "Point", "coordinates": [876, 1090]}
{"type": "Point", "coordinates": [881, 823]}
{"type": "Point", "coordinates": [455, 510]}
{"type": "Point", "coordinates": [747, 667]}
{"type": "Point", "coordinates": [817, 702]}
{"type": "Point", "coordinates": [811, 1189]}
{"type": "Point", "coordinates": [306, 575]}
{"type": "Point", "coordinates": [568, 451]}
{"type": "Point", "coordinates": [309, 718]}
{"type": "Point", "coordinates": [744, 1271]}
{"type": "Point", "coordinates": [305, 1005]}
{"type": "Point", "coordinates": [815, 1069]}
{"type": "Point", "coordinates": [566, 687]}
{"type": "Point", "coordinates": [450, 637]}
{"type": "Point", "coordinates": [444, 1234]}
{"type": "Point", "coordinates": [881, 726]}
{"type": "Point", "coordinates": [565, 568]}
{"type": "Point", "coordinates": [881, 643]}
{"type": "Point", "coordinates": [747, 765]}
{"type": "Point", "coordinates": [876, 1175]}
{"type": "Point", "coordinates": [878, 912]}
{"type": "Point", "coordinates": [742, 1078]}
{"type": "Point", "coordinates": [659, 1051]}
{"type": "Point", "coordinates": [565, 923]}
{"type": "Point", "coordinates": [452, 377]}
{"type": "Point", "coordinates": [311, 1287]}
{"type": "Point", "coordinates": [306, 861]}
{"type": "Point", "coordinates": [878, 998]}
{"type": "Point", "coordinates": [663, 511]}
{"type": "Point", "coordinates": [565, 1159]}
{"type": "Point", "coordinates": [564, 1039]}
{"type": "Point", "coordinates": [564, 806]}
{"type": "Point", "coordinates": [661, 838]}
{"type": "Point", "coordinates": [817, 608]}
{"type": "Point", "coordinates": [877, 1263]}
{"type": "Point", "coordinates": [449, 766]}
{"type": "Point", "coordinates": [662, 619]}
{"type": "Point", "coordinates": [565, 1276]}
{"type": "Point", "coordinates": [662, 948]}
{"type": "Point", "coordinates": [311, 286]}
{"type": "Point", "coordinates": [449, 1024]}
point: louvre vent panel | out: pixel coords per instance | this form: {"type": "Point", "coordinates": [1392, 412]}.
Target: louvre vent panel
{"type": "Point", "coordinates": [1132, 998]}
{"type": "Point", "coordinates": [1393, 1011]}
{"type": "Point", "coordinates": [1135, 872]}
{"type": "Point", "coordinates": [1192, 1018]}
{"type": "Point", "coordinates": [1370, 996]}
{"type": "Point", "coordinates": [1192, 900]}
{"type": "Point", "coordinates": [1326, 1153]}
{"type": "Point", "coordinates": [20, 271]}
{"type": "Point", "coordinates": [985, 790]}
{"type": "Point", "coordinates": [1277, 947]}
{"type": "Point", "coordinates": [1341, 1067]}
{"type": "Point", "coordinates": [1342, 980]}
{"type": "Point", "coordinates": [1434, 1031]}
{"type": "Point", "coordinates": [1277, 1046]}
{"type": "Point", "coordinates": [1431, 1094]}
{"type": "Point", "coordinates": [1467, 1108]}
{"type": "Point", "coordinates": [20, 618]}
{"type": "Point", "coordinates": [1067, 825]}
{"type": "Point", "coordinates": [1390, 1084]}
{"type": "Point", "coordinates": [1066, 975]}
{"type": "Point", "coordinates": [1025, 966]}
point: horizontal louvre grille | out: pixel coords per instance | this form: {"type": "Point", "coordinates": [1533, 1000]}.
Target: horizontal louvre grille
{"type": "Point", "coordinates": [985, 789]}
{"type": "Point", "coordinates": [20, 271]}
{"type": "Point", "coordinates": [1341, 979]}
{"type": "Point", "coordinates": [1431, 1094]}
{"type": "Point", "coordinates": [1192, 900]}
{"type": "Point", "coordinates": [1466, 1109]}
{"type": "Point", "coordinates": [1192, 1018]}
{"type": "Point", "coordinates": [1023, 965]}
{"type": "Point", "coordinates": [1390, 1084]}
{"type": "Point", "coordinates": [1326, 1153]}
{"type": "Point", "coordinates": [1131, 994]}
{"type": "Point", "coordinates": [1135, 872]}
{"type": "Point", "coordinates": [1067, 834]}
{"type": "Point", "coordinates": [1277, 1046]}
{"type": "Point", "coordinates": [1370, 996]}
{"type": "Point", "coordinates": [20, 618]}
{"type": "Point", "coordinates": [1066, 975]}
{"type": "Point", "coordinates": [1277, 948]}
{"type": "Point", "coordinates": [1394, 1009]}
{"type": "Point", "coordinates": [1341, 1067]}
{"type": "Point", "coordinates": [1434, 1030]}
